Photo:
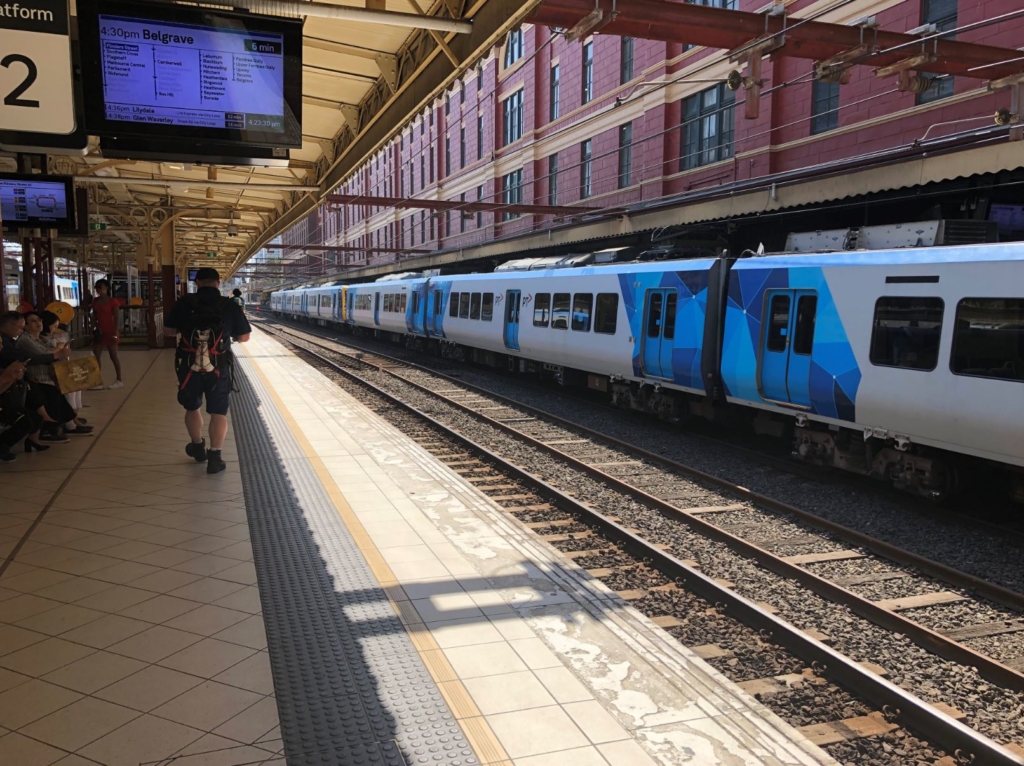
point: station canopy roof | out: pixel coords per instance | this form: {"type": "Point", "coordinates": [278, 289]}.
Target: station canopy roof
{"type": "Point", "coordinates": [368, 67]}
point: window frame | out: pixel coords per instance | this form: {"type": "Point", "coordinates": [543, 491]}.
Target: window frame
{"type": "Point", "coordinates": [627, 48]}
{"type": "Point", "coordinates": [587, 89]}
{"type": "Point", "coordinates": [696, 135]}
{"type": "Point", "coordinates": [514, 46]}
{"type": "Point", "coordinates": [798, 327]}
{"type": "Point", "coordinates": [625, 154]}
{"type": "Point", "coordinates": [512, 192]}
{"type": "Point", "coordinates": [512, 117]}
{"type": "Point", "coordinates": [953, 343]}
{"type": "Point", "coordinates": [874, 328]}
{"type": "Point", "coordinates": [453, 305]}
{"type": "Point", "coordinates": [599, 312]}
{"type": "Point", "coordinates": [487, 307]}
{"type": "Point", "coordinates": [586, 169]}
{"type": "Point", "coordinates": [546, 308]}
{"type": "Point", "coordinates": [553, 179]}
{"type": "Point", "coordinates": [554, 93]}
{"type": "Point", "coordinates": [588, 299]}
{"type": "Point", "coordinates": [464, 299]}
{"type": "Point", "coordinates": [474, 306]}
{"type": "Point", "coordinates": [824, 120]}
{"type": "Point", "coordinates": [567, 310]}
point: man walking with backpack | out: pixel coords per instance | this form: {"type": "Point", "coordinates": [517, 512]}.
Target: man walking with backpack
{"type": "Point", "coordinates": [207, 322]}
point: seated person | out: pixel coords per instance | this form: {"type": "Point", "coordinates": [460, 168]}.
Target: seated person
{"type": "Point", "coordinates": [12, 326]}
{"type": "Point", "coordinates": [40, 373]}
{"type": "Point", "coordinates": [56, 337]}
{"type": "Point", "coordinates": [16, 422]}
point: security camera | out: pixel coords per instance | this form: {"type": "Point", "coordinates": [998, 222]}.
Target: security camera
{"type": "Point", "coordinates": [232, 230]}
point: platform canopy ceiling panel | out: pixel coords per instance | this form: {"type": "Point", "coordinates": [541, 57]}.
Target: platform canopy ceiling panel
{"type": "Point", "coordinates": [367, 66]}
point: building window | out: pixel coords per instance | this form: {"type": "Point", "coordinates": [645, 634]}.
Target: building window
{"type": "Point", "coordinates": [941, 13]}
{"type": "Point", "coordinates": [625, 154]}
{"type": "Point", "coordinates": [479, 136]}
{"type": "Point", "coordinates": [588, 72]}
{"type": "Point", "coordinates": [553, 179]}
{"type": "Point", "coordinates": [906, 332]}
{"type": "Point", "coordinates": [479, 213]}
{"type": "Point", "coordinates": [556, 87]}
{"type": "Point", "coordinates": [586, 167]}
{"type": "Point", "coordinates": [423, 226]}
{"type": "Point", "coordinates": [626, 66]}
{"type": "Point", "coordinates": [479, 78]}
{"type": "Point", "coordinates": [824, 106]}
{"type": "Point", "coordinates": [462, 213]}
{"type": "Point", "coordinates": [707, 127]}
{"type": "Point", "coordinates": [513, 118]}
{"type": "Point", "coordinates": [514, 47]}
{"type": "Point", "coordinates": [462, 94]}
{"type": "Point", "coordinates": [423, 171]}
{"type": "Point", "coordinates": [432, 163]}
{"type": "Point", "coordinates": [512, 189]}
{"type": "Point", "coordinates": [447, 155]}
{"type": "Point", "coordinates": [447, 105]}
{"type": "Point", "coordinates": [462, 147]}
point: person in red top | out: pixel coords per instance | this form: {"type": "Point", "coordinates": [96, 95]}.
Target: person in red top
{"type": "Point", "coordinates": [107, 314]}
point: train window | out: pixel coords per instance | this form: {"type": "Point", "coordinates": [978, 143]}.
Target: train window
{"type": "Point", "coordinates": [654, 316]}
{"type": "Point", "coordinates": [438, 303]}
{"type": "Point", "coordinates": [670, 317]}
{"type": "Point", "coordinates": [405, 302]}
{"type": "Point", "coordinates": [906, 332]}
{"type": "Point", "coordinates": [387, 303]}
{"type": "Point", "coordinates": [415, 303]}
{"type": "Point", "coordinates": [582, 305]}
{"type": "Point", "coordinates": [541, 309]}
{"type": "Point", "coordinates": [464, 306]}
{"type": "Point", "coordinates": [803, 331]}
{"type": "Point", "coordinates": [560, 311]}
{"type": "Point", "coordinates": [606, 313]}
{"type": "Point", "coordinates": [453, 305]}
{"type": "Point", "coordinates": [988, 338]}
{"type": "Point", "coordinates": [474, 306]}
{"type": "Point", "coordinates": [778, 323]}
{"type": "Point", "coordinates": [487, 307]}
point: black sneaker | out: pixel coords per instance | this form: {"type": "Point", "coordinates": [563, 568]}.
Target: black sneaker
{"type": "Point", "coordinates": [196, 451]}
{"type": "Point", "coordinates": [53, 438]}
{"type": "Point", "coordinates": [214, 464]}
{"type": "Point", "coordinates": [8, 457]}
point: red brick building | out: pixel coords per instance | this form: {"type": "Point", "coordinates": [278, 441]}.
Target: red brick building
{"type": "Point", "coordinates": [609, 122]}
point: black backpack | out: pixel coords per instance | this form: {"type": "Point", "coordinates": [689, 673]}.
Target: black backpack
{"type": "Point", "coordinates": [202, 346]}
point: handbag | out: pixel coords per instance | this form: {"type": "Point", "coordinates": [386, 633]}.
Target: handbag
{"type": "Point", "coordinates": [77, 374]}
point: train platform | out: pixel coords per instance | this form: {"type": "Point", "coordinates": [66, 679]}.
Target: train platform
{"type": "Point", "coordinates": [337, 596]}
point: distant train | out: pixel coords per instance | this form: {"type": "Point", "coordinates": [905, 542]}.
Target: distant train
{"type": "Point", "coordinates": [906, 365]}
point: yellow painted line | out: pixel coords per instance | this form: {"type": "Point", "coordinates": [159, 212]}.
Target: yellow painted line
{"type": "Point", "coordinates": [478, 732]}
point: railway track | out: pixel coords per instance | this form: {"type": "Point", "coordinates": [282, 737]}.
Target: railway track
{"type": "Point", "coordinates": [653, 497]}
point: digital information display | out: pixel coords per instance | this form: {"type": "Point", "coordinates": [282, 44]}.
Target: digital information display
{"type": "Point", "coordinates": [32, 202]}
{"type": "Point", "coordinates": [184, 75]}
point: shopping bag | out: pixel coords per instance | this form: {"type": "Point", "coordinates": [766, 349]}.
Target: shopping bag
{"type": "Point", "coordinates": [77, 374]}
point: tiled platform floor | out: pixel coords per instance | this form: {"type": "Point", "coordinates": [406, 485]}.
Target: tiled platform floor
{"type": "Point", "coordinates": [131, 630]}
{"type": "Point", "coordinates": [130, 627]}
{"type": "Point", "coordinates": [540, 665]}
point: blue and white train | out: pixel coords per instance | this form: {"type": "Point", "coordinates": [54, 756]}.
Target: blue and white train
{"type": "Point", "coordinates": [906, 365]}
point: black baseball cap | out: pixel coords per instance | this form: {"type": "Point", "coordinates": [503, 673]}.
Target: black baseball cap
{"type": "Point", "coordinates": [207, 275]}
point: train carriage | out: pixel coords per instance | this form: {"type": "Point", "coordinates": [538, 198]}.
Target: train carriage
{"type": "Point", "coordinates": [899, 364]}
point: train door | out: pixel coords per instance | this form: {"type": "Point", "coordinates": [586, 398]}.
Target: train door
{"type": "Point", "coordinates": [418, 308]}
{"type": "Point", "coordinates": [304, 304]}
{"type": "Point", "coordinates": [512, 299]}
{"type": "Point", "coordinates": [376, 308]}
{"type": "Point", "coordinates": [786, 346]}
{"type": "Point", "coordinates": [438, 313]}
{"type": "Point", "coordinates": [339, 312]}
{"type": "Point", "coordinates": [659, 332]}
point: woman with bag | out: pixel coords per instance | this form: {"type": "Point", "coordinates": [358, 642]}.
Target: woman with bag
{"type": "Point", "coordinates": [57, 338]}
{"type": "Point", "coordinates": [40, 373]}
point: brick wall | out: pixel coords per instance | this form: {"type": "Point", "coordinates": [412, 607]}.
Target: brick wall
{"type": "Point", "coordinates": [872, 117]}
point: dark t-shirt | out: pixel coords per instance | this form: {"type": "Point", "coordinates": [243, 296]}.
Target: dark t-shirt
{"type": "Point", "coordinates": [233, 319]}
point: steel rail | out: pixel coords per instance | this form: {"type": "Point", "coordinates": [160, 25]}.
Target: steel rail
{"type": "Point", "coordinates": [955, 577]}
{"type": "Point", "coordinates": [899, 705]}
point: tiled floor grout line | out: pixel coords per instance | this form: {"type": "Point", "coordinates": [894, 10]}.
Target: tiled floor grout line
{"type": "Point", "coordinates": [95, 440]}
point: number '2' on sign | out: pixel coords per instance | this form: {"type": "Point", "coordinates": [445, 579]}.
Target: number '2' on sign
{"type": "Point", "coordinates": [36, 82]}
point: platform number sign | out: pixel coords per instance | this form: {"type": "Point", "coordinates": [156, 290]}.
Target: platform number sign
{"type": "Point", "coordinates": [36, 86]}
